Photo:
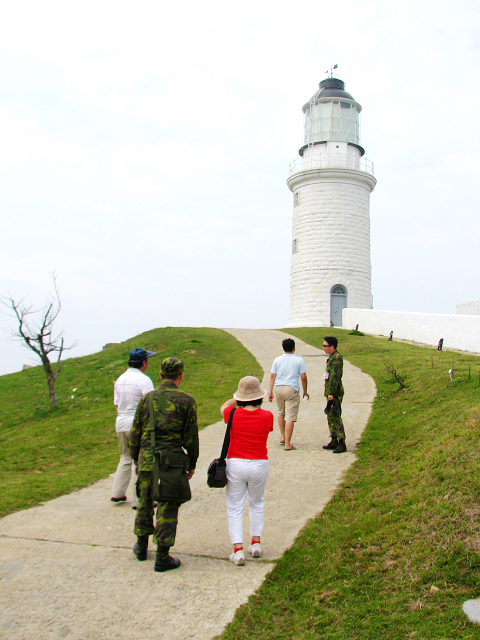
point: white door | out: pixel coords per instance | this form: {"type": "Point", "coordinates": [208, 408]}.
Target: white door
{"type": "Point", "coordinates": [338, 301]}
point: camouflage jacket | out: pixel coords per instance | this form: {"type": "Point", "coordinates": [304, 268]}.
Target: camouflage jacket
{"type": "Point", "coordinates": [334, 368]}
{"type": "Point", "coordinates": [175, 417]}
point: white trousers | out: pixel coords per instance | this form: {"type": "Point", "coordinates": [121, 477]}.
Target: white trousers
{"type": "Point", "coordinates": [125, 470]}
{"type": "Point", "coordinates": [246, 479]}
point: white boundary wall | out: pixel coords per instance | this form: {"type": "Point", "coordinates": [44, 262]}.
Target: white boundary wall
{"type": "Point", "coordinates": [469, 308]}
{"type": "Point", "coordinates": [458, 331]}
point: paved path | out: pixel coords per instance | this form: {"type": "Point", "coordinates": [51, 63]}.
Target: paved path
{"type": "Point", "coordinates": [67, 569]}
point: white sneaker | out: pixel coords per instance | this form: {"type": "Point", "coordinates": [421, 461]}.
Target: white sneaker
{"type": "Point", "coordinates": [255, 549]}
{"type": "Point", "coordinates": [238, 558]}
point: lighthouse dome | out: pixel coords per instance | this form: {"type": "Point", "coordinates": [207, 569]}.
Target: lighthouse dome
{"type": "Point", "coordinates": [330, 88]}
{"type": "Point", "coordinates": [331, 114]}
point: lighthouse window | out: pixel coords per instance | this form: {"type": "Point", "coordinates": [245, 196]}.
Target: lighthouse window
{"type": "Point", "coordinates": [294, 246]}
{"type": "Point", "coordinates": [335, 109]}
{"type": "Point", "coordinates": [338, 290]}
{"type": "Point", "coordinates": [325, 108]}
{"type": "Point", "coordinates": [332, 121]}
{"type": "Point", "coordinates": [296, 199]}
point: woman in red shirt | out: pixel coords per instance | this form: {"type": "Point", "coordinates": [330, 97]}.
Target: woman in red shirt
{"type": "Point", "coordinates": [247, 464]}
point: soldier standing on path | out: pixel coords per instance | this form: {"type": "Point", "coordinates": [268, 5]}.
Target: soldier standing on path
{"type": "Point", "coordinates": [176, 430]}
{"type": "Point", "coordinates": [334, 394]}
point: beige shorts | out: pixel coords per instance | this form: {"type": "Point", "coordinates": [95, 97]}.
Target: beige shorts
{"type": "Point", "coordinates": [288, 401]}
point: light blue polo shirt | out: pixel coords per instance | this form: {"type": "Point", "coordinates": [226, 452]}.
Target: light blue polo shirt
{"type": "Point", "coordinates": [288, 368]}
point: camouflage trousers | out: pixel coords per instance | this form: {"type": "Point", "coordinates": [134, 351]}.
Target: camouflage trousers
{"type": "Point", "coordinates": [167, 514]}
{"type": "Point", "coordinates": [335, 422]}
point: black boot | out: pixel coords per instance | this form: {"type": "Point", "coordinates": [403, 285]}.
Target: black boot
{"type": "Point", "coordinates": [140, 548]}
{"type": "Point", "coordinates": [333, 444]}
{"type": "Point", "coordinates": [342, 447]}
{"type": "Point", "coordinates": [164, 562]}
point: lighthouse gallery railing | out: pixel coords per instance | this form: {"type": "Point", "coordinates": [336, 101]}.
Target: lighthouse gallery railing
{"type": "Point", "coordinates": [331, 160]}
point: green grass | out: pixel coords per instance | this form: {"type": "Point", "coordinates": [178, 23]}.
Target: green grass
{"type": "Point", "coordinates": [404, 520]}
{"type": "Point", "coordinates": [48, 452]}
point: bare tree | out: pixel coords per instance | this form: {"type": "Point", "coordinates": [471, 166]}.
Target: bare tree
{"type": "Point", "coordinates": [393, 374]}
{"type": "Point", "coordinates": [36, 330]}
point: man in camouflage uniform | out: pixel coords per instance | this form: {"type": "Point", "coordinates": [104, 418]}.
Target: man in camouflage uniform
{"type": "Point", "coordinates": [175, 417]}
{"type": "Point", "coordinates": [334, 394]}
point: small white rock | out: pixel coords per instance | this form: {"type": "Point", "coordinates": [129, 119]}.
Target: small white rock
{"type": "Point", "coordinates": [472, 609]}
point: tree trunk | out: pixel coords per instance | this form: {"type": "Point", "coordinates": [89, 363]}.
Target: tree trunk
{"type": "Point", "coordinates": [51, 382]}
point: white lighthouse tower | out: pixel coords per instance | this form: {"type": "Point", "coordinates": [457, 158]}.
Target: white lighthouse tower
{"type": "Point", "coordinates": [331, 184]}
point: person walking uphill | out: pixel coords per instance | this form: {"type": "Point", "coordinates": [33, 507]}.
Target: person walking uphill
{"type": "Point", "coordinates": [129, 388]}
{"type": "Point", "coordinates": [175, 432]}
{"type": "Point", "coordinates": [334, 394]}
{"type": "Point", "coordinates": [286, 371]}
{"type": "Point", "coordinates": [247, 464]}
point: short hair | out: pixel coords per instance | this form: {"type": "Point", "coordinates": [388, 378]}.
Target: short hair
{"type": "Point", "coordinates": [135, 364]}
{"type": "Point", "coordinates": [332, 341]}
{"type": "Point", "coordinates": [288, 345]}
{"type": "Point", "coordinates": [253, 403]}
{"type": "Point", "coordinates": [165, 377]}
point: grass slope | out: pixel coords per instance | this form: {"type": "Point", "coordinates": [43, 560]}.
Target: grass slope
{"type": "Point", "coordinates": [395, 552]}
{"type": "Point", "coordinates": [50, 452]}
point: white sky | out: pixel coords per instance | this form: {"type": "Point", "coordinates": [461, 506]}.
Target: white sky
{"type": "Point", "coordinates": [144, 152]}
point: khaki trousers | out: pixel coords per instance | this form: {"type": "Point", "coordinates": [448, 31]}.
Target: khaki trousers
{"type": "Point", "coordinates": [125, 470]}
{"type": "Point", "coordinates": [288, 402]}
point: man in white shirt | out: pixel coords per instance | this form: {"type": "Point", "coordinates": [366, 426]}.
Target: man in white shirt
{"type": "Point", "coordinates": [285, 374]}
{"type": "Point", "coordinates": [129, 389]}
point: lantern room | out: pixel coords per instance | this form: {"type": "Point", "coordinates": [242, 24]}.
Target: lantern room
{"type": "Point", "coordinates": [331, 115]}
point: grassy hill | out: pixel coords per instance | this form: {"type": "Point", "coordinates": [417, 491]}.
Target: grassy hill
{"type": "Point", "coordinates": [396, 551]}
{"type": "Point", "coordinates": [48, 452]}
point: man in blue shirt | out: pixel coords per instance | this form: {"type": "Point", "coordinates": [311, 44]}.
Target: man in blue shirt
{"type": "Point", "coordinates": [285, 374]}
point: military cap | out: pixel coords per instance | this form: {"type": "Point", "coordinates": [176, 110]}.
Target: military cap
{"type": "Point", "coordinates": [139, 355]}
{"type": "Point", "coordinates": [171, 367]}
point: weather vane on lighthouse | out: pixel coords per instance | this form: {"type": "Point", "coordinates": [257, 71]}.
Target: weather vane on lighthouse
{"type": "Point", "coordinates": [332, 69]}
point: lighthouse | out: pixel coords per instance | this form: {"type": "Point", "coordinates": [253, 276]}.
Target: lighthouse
{"type": "Point", "coordinates": [331, 182]}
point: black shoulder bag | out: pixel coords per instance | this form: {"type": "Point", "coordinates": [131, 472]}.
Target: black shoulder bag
{"type": "Point", "coordinates": [217, 469]}
{"type": "Point", "coordinates": [169, 473]}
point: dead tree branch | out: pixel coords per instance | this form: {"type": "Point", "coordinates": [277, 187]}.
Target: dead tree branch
{"type": "Point", "coordinates": [393, 372]}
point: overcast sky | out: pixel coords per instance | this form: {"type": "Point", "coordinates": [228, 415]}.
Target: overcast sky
{"type": "Point", "coordinates": [144, 152]}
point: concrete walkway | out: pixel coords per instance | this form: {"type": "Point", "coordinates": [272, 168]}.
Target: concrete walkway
{"type": "Point", "coordinates": [67, 569]}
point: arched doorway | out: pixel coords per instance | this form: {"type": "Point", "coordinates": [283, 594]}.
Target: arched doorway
{"type": "Point", "coordinates": [338, 301]}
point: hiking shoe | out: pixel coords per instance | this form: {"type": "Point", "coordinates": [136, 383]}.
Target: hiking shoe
{"type": "Point", "coordinates": [342, 447]}
{"type": "Point", "coordinates": [333, 444]}
{"type": "Point", "coordinates": [165, 563]}
{"type": "Point", "coordinates": [140, 551]}
{"type": "Point", "coordinates": [255, 550]}
{"type": "Point", "coordinates": [238, 558]}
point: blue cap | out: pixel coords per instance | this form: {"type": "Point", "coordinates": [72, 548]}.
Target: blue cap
{"type": "Point", "coordinates": [139, 355]}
